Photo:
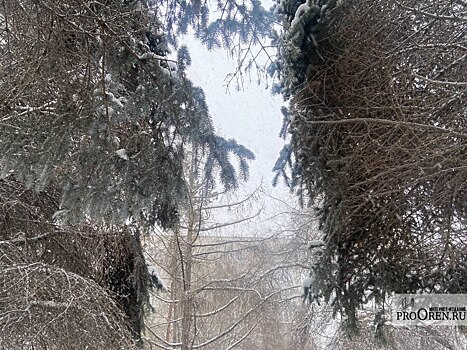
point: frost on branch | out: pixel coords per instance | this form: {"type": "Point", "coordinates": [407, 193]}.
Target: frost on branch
{"type": "Point", "coordinates": [155, 281]}
{"type": "Point", "coordinates": [316, 244]}
{"type": "Point", "coordinates": [122, 154]}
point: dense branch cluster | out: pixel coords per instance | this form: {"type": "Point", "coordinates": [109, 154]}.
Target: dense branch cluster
{"type": "Point", "coordinates": [379, 140]}
{"type": "Point", "coordinates": [65, 287]}
{"type": "Point", "coordinates": [56, 309]}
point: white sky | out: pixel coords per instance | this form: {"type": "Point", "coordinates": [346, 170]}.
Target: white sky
{"type": "Point", "coordinates": [252, 116]}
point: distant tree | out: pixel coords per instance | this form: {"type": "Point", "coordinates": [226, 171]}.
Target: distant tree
{"type": "Point", "coordinates": [189, 324]}
{"type": "Point", "coordinates": [226, 288]}
{"type": "Point", "coordinates": [378, 138]}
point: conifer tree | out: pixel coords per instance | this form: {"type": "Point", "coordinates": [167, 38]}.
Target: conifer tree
{"type": "Point", "coordinates": [91, 99]}
{"type": "Point", "coordinates": [95, 117]}
{"type": "Point", "coordinates": [377, 143]}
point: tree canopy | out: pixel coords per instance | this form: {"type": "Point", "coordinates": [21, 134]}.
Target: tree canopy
{"type": "Point", "coordinates": [377, 123]}
{"type": "Point", "coordinates": [91, 100]}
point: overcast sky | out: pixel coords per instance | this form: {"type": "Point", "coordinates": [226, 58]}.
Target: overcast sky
{"type": "Point", "coordinates": [251, 116]}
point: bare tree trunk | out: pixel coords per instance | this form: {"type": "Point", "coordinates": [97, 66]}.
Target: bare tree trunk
{"type": "Point", "coordinates": [171, 313]}
{"type": "Point", "coordinates": [187, 261]}
{"type": "Point", "coordinates": [186, 297]}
